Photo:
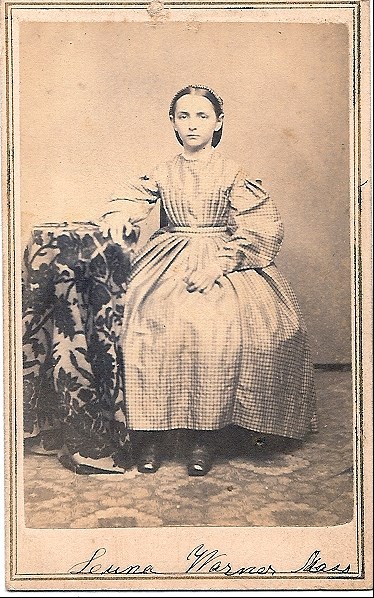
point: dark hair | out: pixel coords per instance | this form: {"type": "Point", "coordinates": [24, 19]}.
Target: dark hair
{"type": "Point", "coordinates": [205, 92]}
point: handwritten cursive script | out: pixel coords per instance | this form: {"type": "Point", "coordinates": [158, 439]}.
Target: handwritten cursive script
{"type": "Point", "coordinates": [201, 560]}
{"type": "Point", "coordinates": [314, 564]}
{"type": "Point", "coordinates": [91, 567]}
{"type": "Point", "coordinates": [210, 561]}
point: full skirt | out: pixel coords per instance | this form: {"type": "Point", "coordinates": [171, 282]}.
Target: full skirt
{"type": "Point", "coordinates": [236, 355]}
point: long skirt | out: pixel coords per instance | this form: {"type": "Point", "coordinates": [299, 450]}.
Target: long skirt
{"type": "Point", "coordinates": [236, 355]}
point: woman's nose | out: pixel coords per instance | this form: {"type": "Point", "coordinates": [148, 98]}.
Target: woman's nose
{"type": "Point", "coordinates": [192, 126]}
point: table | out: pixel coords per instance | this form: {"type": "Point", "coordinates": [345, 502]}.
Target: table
{"type": "Point", "coordinates": [74, 282]}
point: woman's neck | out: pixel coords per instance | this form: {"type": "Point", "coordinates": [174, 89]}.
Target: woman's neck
{"type": "Point", "coordinates": [199, 155]}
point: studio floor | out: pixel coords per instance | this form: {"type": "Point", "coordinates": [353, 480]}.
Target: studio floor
{"type": "Point", "coordinates": [301, 485]}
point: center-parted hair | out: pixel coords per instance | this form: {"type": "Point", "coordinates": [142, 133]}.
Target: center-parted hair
{"type": "Point", "coordinates": [205, 92]}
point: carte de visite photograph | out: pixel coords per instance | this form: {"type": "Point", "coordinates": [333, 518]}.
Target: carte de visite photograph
{"type": "Point", "coordinates": [188, 307]}
{"type": "Point", "coordinates": [207, 344]}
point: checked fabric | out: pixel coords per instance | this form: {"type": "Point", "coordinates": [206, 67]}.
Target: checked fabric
{"type": "Point", "coordinates": [236, 355]}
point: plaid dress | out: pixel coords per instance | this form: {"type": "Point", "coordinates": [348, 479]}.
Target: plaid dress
{"type": "Point", "coordinates": [235, 355]}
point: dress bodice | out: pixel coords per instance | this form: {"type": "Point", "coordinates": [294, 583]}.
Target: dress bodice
{"type": "Point", "coordinates": [213, 192]}
{"type": "Point", "coordinates": [196, 193]}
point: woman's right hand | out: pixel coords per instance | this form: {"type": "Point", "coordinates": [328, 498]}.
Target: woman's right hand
{"type": "Point", "coordinates": [203, 280]}
{"type": "Point", "coordinates": [112, 225]}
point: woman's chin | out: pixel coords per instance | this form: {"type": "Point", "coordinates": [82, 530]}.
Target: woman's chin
{"type": "Point", "coordinates": [193, 145]}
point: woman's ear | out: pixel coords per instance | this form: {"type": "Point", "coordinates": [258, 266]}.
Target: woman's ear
{"type": "Point", "coordinates": [219, 123]}
{"type": "Point", "coordinates": [172, 120]}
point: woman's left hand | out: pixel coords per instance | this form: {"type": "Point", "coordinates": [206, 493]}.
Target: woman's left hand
{"type": "Point", "coordinates": [203, 280]}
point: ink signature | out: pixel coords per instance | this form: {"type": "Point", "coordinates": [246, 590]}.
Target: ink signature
{"type": "Point", "coordinates": [201, 560]}
{"type": "Point", "coordinates": [314, 564]}
{"type": "Point", "coordinates": [92, 567]}
{"type": "Point", "coordinates": [211, 562]}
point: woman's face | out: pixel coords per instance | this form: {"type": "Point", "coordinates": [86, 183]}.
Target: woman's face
{"type": "Point", "coordinates": [195, 121]}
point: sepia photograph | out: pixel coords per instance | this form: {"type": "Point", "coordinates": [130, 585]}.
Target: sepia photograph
{"type": "Point", "coordinates": [185, 290]}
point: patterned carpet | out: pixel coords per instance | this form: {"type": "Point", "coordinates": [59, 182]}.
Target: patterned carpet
{"type": "Point", "coordinates": [254, 482]}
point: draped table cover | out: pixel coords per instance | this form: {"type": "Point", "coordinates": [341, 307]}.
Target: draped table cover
{"type": "Point", "coordinates": [74, 281]}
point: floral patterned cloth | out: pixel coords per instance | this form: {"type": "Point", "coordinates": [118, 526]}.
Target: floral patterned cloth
{"type": "Point", "coordinates": [73, 287]}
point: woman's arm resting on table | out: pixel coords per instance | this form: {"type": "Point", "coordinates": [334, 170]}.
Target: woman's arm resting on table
{"type": "Point", "coordinates": [113, 225]}
{"type": "Point", "coordinates": [122, 213]}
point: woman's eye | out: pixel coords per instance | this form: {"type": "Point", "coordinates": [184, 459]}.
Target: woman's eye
{"type": "Point", "coordinates": [203, 116]}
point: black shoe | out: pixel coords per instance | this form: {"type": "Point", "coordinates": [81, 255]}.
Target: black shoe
{"type": "Point", "coordinates": [201, 460]}
{"type": "Point", "coordinates": [149, 459]}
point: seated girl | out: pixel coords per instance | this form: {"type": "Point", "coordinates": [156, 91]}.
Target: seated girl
{"type": "Point", "coordinates": [212, 332]}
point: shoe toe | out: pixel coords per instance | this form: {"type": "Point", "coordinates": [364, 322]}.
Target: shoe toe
{"type": "Point", "coordinates": [200, 462]}
{"type": "Point", "coordinates": [149, 461]}
{"type": "Point", "coordinates": [148, 467]}
{"type": "Point", "coordinates": [197, 470]}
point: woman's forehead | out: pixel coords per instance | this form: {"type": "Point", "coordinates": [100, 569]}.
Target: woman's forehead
{"type": "Point", "coordinates": [194, 103]}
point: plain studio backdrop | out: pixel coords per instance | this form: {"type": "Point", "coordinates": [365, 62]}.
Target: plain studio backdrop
{"type": "Point", "coordinates": [94, 112]}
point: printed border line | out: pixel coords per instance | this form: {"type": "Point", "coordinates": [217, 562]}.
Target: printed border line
{"type": "Point", "coordinates": [358, 263]}
{"type": "Point", "coordinates": [358, 386]}
{"type": "Point", "coordinates": [357, 299]}
{"type": "Point", "coordinates": [195, 4]}
{"type": "Point", "coordinates": [358, 267]}
{"type": "Point", "coordinates": [359, 295]}
{"type": "Point", "coordinates": [354, 308]}
{"type": "Point", "coordinates": [182, 576]}
{"type": "Point", "coordinates": [12, 295]}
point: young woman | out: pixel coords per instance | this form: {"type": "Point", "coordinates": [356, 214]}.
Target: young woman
{"type": "Point", "coordinates": [212, 333]}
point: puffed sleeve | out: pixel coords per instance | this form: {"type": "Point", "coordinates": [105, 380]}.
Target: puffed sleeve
{"type": "Point", "coordinates": [137, 200]}
{"type": "Point", "coordinates": [257, 227]}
